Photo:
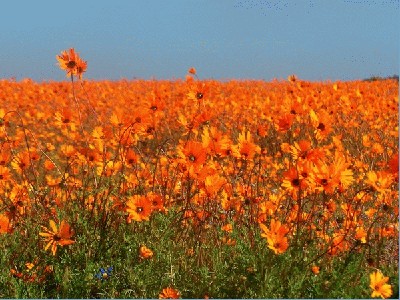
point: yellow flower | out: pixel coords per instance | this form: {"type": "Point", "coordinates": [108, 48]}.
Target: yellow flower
{"type": "Point", "coordinates": [378, 283]}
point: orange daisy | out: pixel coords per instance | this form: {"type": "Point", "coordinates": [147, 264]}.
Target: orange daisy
{"type": "Point", "coordinates": [139, 208]}
{"type": "Point", "coordinates": [276, 236]}
{"type": "Point", "coordinates": [72, 63]}
{"type": "Point", "coordinates": [57, 236]}
{"type": "Point", "coordinates": [169, 293]}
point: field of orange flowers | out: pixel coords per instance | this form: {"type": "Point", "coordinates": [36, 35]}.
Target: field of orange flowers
{"type": "Point", "coordinates": [198, 188]}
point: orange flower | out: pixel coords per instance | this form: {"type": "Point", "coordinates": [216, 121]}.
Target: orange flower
{"type": "Point", "coordinates": [228, 241]}
{"type": "Point", "coordinates": [393, 165]}
{"type": "Point", "coordinates": [285, 122]}
{"type": "Point", "coordinates": [3, 123]}
{"type": "Point", "coordinates": [300, 149]}
{"type": "Point", "coordinates": [293, 182]}
{"type": "Point", "coordinates": [169, 293]}
{"type": "Point", "coordinates": [192, 71]}
{"type": "Point", "coordinates": [321, 123]}
{"type": "Point", "coordinates": [193, 154]}
{"type": "Point", "coordinates": [4, 224]}
{"type": "Point", "coordinates": [216, 142]}
{"type": "Point", "coordinates": [72, 63]}
{"type": "Point", "coordinates": [330, 177]}
{"type": "Point", "coordinates": [139, 208]}
{"type": "Point", "coordinates": [131, 158]}
{"type": "Point", "coordinates": [157, 203]}
{"type": "Point", "coordinates": [57, 237]}
{"type": "Point", "coordinates": [276, 236]}
{"type": "Point", "coordinates": [379, 286]}
{"type": "Point", "coordinates": [292, 78]}
{"type": "Point", "coordinates": [5, 174]}
{"type": "Point", "coordinates": [361, 235]}
{"type": "Point", "coordinates": [197, 92]}
{"type": "Point", "coordinates": [315, 269]}
{"type": "Point", "coordinates": [64, 119]}
{"type": "Point", "coordinates": [145, 253]}
{"type": "Point", "coordinates": [228, 227]}
{"type": "Point", "coordinates": [21, 162]}
{"type": "Point", "coordinates": [5, 155]}
{"type": "Point", "coordinates": [380, 181]}
{"type": "Point", "coordinates": [246, 148]}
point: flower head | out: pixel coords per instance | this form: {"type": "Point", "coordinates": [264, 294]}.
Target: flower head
{"type": "Point", "coordinates": [139, 208]}
{"type": "Point", "coordinates": [104, 274]}
{"type": "Point", "coordinates": [4, 224]}
{"type": "Point", "coordinates": [378, 283]}
{"type": "Point", "coordinates": [169, 293]}
{"type": "Point", "coordinates": [72, 63]}
{"type": "Point", "coordinates": [276, 236]}
{"type": "Point", "coordinates": [57, 236]}
{"type": "Point", "coordinates": [145, 253]}
{"type": "Point", "coordinates": [315, 269]}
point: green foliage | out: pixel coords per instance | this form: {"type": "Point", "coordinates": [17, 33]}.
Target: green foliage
{"type": "Point", "coordinates": [212, 269]}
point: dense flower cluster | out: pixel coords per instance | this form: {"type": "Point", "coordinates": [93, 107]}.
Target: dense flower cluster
{"type": "Point", "coordinates": [291, 158]}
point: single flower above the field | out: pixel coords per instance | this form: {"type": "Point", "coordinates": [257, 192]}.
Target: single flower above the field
{"type": "Point", "coordinates": [192, 71]}
{"type": "Point", "coordinates": [57, 236]}
{"type": "Point", "coordinates": [70, 62]}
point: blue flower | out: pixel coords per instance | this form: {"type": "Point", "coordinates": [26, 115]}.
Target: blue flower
{"type": "Point", "coordinates": [104, 274]}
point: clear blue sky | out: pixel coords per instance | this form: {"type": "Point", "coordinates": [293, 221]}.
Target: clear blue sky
{"type": "Point", "coordinates": [222, 39]}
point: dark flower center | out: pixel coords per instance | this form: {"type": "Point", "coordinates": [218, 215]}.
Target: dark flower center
{"type": "Point", "coordinates": [71, 64]}
{"type": "Point", "coordinates": [296, 182]}
{"type": "Point", "coordinates": [321, 126]}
